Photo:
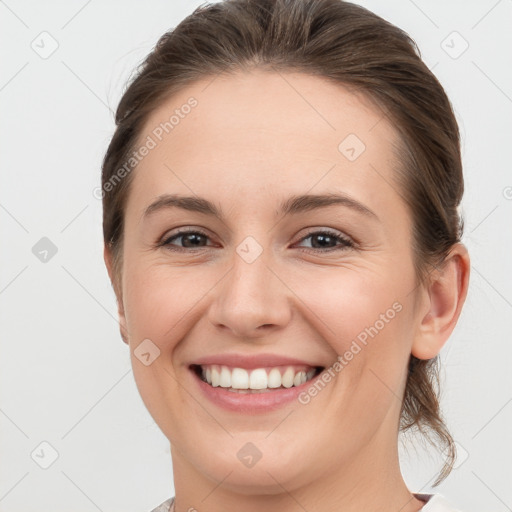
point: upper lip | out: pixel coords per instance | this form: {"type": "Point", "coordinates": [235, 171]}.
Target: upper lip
{"type": "Point", "coordinates": [251, 361]}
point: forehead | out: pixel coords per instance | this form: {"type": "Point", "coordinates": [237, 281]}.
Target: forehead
{"type": "Point", "coordinates": [260, 130]}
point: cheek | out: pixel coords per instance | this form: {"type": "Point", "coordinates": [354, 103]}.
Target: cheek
{"type": "Point", "coordinates": [347, 301]}
{"type": "Point", "coordinates": [365, 319]}
{"type": "Point", "coordinates": [160, 302]}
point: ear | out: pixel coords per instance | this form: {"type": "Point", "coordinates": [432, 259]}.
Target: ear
{"type": "Point", "coordinates": [442, 303]}
{"type": "Point", "coordinates": [107, 256]}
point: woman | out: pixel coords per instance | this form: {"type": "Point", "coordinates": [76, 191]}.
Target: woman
{"type": "Point", "coordinates": [282, 233]}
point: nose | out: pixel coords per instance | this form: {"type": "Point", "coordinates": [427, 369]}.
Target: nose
{"type": "Point", "coordinates": [252, 300]}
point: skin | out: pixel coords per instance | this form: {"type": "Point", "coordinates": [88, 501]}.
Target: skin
{"type": "Point", "coordinates": [252, 141]}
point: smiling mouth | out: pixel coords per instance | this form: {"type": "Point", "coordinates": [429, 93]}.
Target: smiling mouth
{"type": "Point", "coordinates": [257, 380]}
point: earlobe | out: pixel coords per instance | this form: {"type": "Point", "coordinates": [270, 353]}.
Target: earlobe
{"type": "Point", "coordinates": [107, 257]}
{"type": "Point", "coordinates": [444, 299]}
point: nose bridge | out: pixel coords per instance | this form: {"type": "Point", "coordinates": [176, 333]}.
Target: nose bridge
{"type": "Point", "coordinates": [250, 296]}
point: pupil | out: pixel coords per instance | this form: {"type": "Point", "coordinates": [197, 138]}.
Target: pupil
{"type": "Point", "coordinates": [194, 237]}
{"type": "Point", "coordinates": [323, 239]}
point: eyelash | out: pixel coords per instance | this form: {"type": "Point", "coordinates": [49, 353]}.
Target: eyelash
{"type": "Point", "coordinates": [346, 243]}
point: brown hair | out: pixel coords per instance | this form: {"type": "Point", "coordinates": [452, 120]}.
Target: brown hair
{"type": "Point", "coordinates": [353, 47]}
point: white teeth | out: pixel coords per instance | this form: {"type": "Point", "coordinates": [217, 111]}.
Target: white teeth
{"type": "Point", "coordinates": [299, 378]}
{"type": "Point", "coordinates": [215, 377]}
{"type": "Point", "coordinates": [225, 378]}
{"type": "Point", "coordinates": [287, 378]}
{"type": "Point", "coordinates": [257, 379]}
{"type": "Point", "coordinates": [239, 378]}
{"type": "Point", "coordinates": [274, 378]}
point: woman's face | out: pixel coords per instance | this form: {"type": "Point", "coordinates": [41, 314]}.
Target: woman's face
{"type": "Point", "coordinates": [269, 278]}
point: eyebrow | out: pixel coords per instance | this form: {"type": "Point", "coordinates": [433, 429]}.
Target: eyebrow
{"type": "Point", "coordinates": [293, 205]}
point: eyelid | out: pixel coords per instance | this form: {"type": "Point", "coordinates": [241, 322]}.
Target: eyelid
{"type": "Point", "coordinates": [346, 242]}
{"type": "Point", "coordinates": [180, 232]}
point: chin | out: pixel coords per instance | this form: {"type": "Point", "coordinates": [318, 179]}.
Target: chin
{"type": "Point", "coordinates": [267, 474]}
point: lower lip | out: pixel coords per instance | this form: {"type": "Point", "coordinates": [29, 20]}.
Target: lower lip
{"type": "Point", "coordinates": [251, 403]}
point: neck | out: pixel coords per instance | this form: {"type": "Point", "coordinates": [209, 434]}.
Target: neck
{"type": "Point", "coordinates": [371, 481]}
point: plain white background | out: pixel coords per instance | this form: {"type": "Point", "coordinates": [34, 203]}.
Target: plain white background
{"type": "Point", "coordinates": [65, 374]}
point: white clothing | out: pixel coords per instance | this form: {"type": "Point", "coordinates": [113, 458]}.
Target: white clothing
{"type": "Point", "coordinates": [434, 503]}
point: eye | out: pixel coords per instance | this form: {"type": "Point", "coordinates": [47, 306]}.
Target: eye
{"type": "Point", "coordinates": [190, 239]}
{"type": "Point", "coordinates": [322, 241]}
{"type": "Point", "coordinates": [326, 240]}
